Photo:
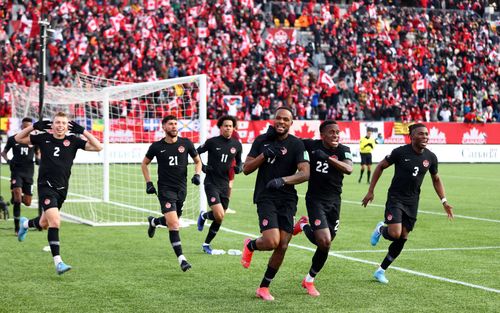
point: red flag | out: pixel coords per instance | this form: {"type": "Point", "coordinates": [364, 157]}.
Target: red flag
{"type": "Point", "coordinates": [184, 42]}
{"type": "Point", "coordinates": [92, 25]}
{"type": "Point", "coordinates": [421, 84]}
{"type": "Point", "coordinates": [212, 23]}
{"type": "Point", "coordinates": [150, 5]}
{"type": "Point", "coordinates": [269, 39]}
{"type": "Point", "coordinates": [82, 47]}
{"type": "Point", "coordinates": [194, 11]}
{"type": "Point", "coordinates": [326, 80]}
{"type": "Point", "coordinates": [110, 33]}
{"type": "Point", "coordinates": [202, 32]}
{"type": "Point", "coordinates": [85, 67]}
{"type": "Point", "coordinates": [228, 19]}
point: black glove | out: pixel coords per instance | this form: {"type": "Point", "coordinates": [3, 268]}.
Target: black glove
{"type": "Point", "coordinates": [270, 152]}
{"type": "Point", "coordinates": [321, 155]}
{"type": "Point", "coordinates": [276, 183]}
{"type": "Point", "coordinates": [42, 125]}
{"type": "Point", "coordinates": [196, 179]}
{"type": "Point", "coordinates": [37, 161]}
{"type": "Point", "coordinates": [150, 188]}
{"type": "Point", "coordinates": [75, 128]}
{"type": "Point", "coordinates": [271, 133]}
{"type": "Point", "coordinates": [205, 168]}
{"type": "Point", "coordinates": [238, 169]}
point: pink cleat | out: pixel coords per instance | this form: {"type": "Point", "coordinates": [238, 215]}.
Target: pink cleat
{"type": "Point", "coordinates": [311, 290]}
{"type": "Point", "coordinates": [264, 294]}
{"type": "Point", "coordinates": [246, 256]}
{"type": "Point", "coordinates": [296, 227]}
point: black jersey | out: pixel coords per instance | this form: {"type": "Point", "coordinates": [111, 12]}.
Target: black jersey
{"type": "Point", "coordinates": [325, 181]}
{"type": "Point", "coordinates": [291, 153]}
{"type": "Point", "coordinates": [23, 157]}
{"type": "Point", "coordinates": [410, 169]}
{"type": "Point", "coordinates": [221, 153]}
{"type": "Point", "coordinates": [57, 157]}
{"type": "Point", "coordinates": [172, 161]}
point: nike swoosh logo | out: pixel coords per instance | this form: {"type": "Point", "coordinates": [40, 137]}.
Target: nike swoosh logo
{"type": "Point", "coordinates": [217, 148]}
{"type": "Point", "coordinates": [46, 141]}
{"type": "Point", "coordinates": [162, 151]}
{"type": "Point", "coordinates": [266, 145]}
{"type": "Point", "coordinates": [407, 160]}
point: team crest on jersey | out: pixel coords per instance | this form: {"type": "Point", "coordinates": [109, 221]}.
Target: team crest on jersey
{"type": "Point", "coordinates": [283, 150]}
{"type": "Point", "coordinates": [46, 201]}
{"type": "Point", "coordinates": [265, 222]}
{"type": "Point", "coordinates": [317, 222]}
{"type": "Point", "coordinates": [212, 199]}
{"type": "Point", "coordinates": [426, 163]}
{"type": "Point", "coordinates": [334, 157]}
{"type": "Point", "coordinates": [168, 205]}
{"type": "Point", "coordinates": [181, 149]}
{"type": "Point", "coordinates": [13, 181]}
{"type": "Point", "coordinates": [66, 143]}
{"type": "Point", "coordinates": [233, 150]}
{"type": "Point", "coordinates": [389, 217]}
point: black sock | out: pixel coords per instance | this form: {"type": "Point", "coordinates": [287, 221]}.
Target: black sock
{"type": "Point", "coordinates": [252, 245]}
{"type": "Point", "coordinates": [318, 261]}
{"type": "Point", "coordinates": [384, 230]}
{"type": "Point", "coordinates": [175, 240]}
{"type": "Point", "coordinates": [40, 209]}
{"type": "Point", "coordinates": [368, 173]}
{"type": "Point", "coordinates": [35, 223]}
{"type": "Point", "coordinates": [268, 276]}
{"type": "Point", "coordinates": [361, 175]}
{"type": "Point", "coordinates": [208, 216]}
{"type": "Point", "coordinates": [160, 221]}
{"type": "Point", "coordinates": [212, 232]}
{"type": "Point", "coordinates": [309, 234]}
{"type": "Point", "coordinates": [53, 238]}
{"type": "Point", "coordinates": [394, 250]}
{"type": "Point", "coordinates": [17, 215]}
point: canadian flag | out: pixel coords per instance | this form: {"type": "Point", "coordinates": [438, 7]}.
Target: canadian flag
{"type": "Point", "coordinates": [110, 33]}
{"type": "Point", "coordinates": [71, 57]}
{"type": "Point", "coordinates": [247, 3]}
{"type": "Point", "coordinates": [372, 11]}
{"type": "Point", "coordinates": [92, 25]}
{"type": "Point", "coordinates": [150, 5]}
{"type": "Point", "coordinates": [190, 20]}
{"type": "Point", "coordinates": [269, 39]}
{"type": "Point", "coordinates": [421, 84]}
{"type": "Point", "coordinates": [325, 79]}
{"type": "Point", "coordinates": [115, 21]}
{"type": "Point", "coordinates": [194, 11]}
{"type": "Point", "coordinates": [325, 13]}
{"type": "Point", "coordinates": [82, 47]}
{"type": "Point", "coordinates": [64, 8]}
{"type": "Point", "coordinates": [212, 23]}
{"type": "Point", "coordinates": [202, 32]}
{"type": "Point", "coordinates": [228, 19]}
{"type": "Point", "coordinates": [145, 33]}
{"type": "Point", "coordinates": [165, 3]}
{"type": "Point", "coordinates": [184, 42]}
{"type": "Point", "coordinates": [127, 27]}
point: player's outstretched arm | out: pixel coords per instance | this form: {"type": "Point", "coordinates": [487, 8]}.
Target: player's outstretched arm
{"type": "Point", "coordinates": [439, 188]}
{"type": "Point", "coordinates": [381, 166]}
{"type": "Point", "coordinates": [24, 135]}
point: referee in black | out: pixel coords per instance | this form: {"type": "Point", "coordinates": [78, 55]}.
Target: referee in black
{"type": "Point", "coordinates": [171, 153]}
{"type": "Point", "coordinates": [282, 163]}
{"type": "Point", "coordinates": [330, 160]}
{"type": "Point", "coordinates": [21, 172]}
{"type": "Point", "coordinates": [411, 161]}
{"type": "Point", "coordinates": [58, 150]}
{"type": "Point", "coordinates": [222, 150]}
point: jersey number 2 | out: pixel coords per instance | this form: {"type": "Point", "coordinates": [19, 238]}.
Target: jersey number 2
{"type": "Point", "coordinates": [56, 151]}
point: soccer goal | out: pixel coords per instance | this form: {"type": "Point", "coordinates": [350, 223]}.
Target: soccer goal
{"type": "Point", "coordinates": [108, 188]}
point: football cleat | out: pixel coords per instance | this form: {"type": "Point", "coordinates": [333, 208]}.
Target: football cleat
{"type": "Point", "coordinates": [246, 256]}
{"type": "Point", "coordinates": [62, 268]}
{"type": "Point", "coordinates": [21, 235]}
{"type": "Point", "coordinates": [151, 228]}
{"type": "Point", "coordinates": [376, 234]}
{"type": "Point", "coordinates": [264, 294]}
{"type": "Point", "coordinates": [380, 276]}
{"type": "Point", "coordinates": [206, 248]}
{"type": "Point", "coordinates": [311, 290]}
{"type": "Point", "coordinates": [201, 221]}
{"type": "Point", "coordinates": [185, 265]}
{"type": "Point", "coordinates": [296, 228]}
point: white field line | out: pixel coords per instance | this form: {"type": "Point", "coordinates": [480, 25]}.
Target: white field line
{"type": "Point", "coordinates": [401, 269]}
{"type": "Point", "coordinates": [421, 249]}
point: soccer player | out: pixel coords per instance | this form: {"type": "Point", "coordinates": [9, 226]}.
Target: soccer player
{"type": "Point", "coordinates": [411, 162]}
{"type": "Point", "coordinates": [366, 145]}
{"type": "Point", "coordinates": [222, 150]}
{"type": "Point", "coordinates": [21, 172]}
{"type": "Point", "coordinates": [282, 162]}
{"type": "Point", "coordinates": [236, 136]}
{"type": "Point", "coordinates": [58, 150]}
{"type": "Point", "coordinates": [171, 154]}
{"type": "Point", "coordinates": [330, 160]}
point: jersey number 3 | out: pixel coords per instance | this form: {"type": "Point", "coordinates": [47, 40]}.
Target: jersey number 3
{"type": "Point", "coordinates": [415, 171]}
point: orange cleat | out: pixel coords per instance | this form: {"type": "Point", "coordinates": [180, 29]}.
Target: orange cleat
{"type": "Point", "coordinates": [246, 256]}
{"type": "Point", "coordinates": [296, 227]}
{"type": "Point", "coordinates": [264, 294]}
{"type": "Point", "coordinates": [311, 290]}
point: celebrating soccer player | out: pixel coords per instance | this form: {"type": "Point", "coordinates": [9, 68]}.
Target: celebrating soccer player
{"type": "Point", "coordinates": [58, 150]}
{"type": "Point", "coordinates": [282, 162]}
{"type": "Point", "coordinates": [171, 153]}
{"type": "Point", "coordinates": [330, 160]}
{"type": "Point", "coordinates": [21, 172]}
{"type": "Point", "coordinates": [411, 162]}
{"type": "Point", "coordinates": [222, 150]}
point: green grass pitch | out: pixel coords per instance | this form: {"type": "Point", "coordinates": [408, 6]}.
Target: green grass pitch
{"type": "Point", "coordinates": [446, 266]}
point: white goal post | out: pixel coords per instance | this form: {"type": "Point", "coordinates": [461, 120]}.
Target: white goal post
{"type": "Point", "coordinates": [108, 188]}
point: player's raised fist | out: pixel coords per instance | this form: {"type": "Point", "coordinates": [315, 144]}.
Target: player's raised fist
{"type": "Point", "coordinates": [196, 179]}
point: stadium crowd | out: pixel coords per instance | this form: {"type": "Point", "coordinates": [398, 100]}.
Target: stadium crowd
{"type": "Point", "coordinates": [358, 62]}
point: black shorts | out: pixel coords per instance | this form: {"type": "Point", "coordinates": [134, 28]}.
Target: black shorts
{"type": "Point", "coordinates": [49, 197]}
{"type": "Point", "coordinates": [324, 214]}
{"type": "Point", "coordinates": [397, 212]}
{"type": "Point", "coordinates": [277, 214]}
{"type": "Point", "coordinates": [171, 200]}
{"type": "Point", "coordinates": [366, 158]}
{"type": "Point", "coordinates": [216, 195]}
{"type": "Point", "coordinates": [23, 181]}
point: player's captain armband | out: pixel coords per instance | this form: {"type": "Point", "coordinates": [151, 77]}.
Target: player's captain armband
{"type": "Point", "coordinates": [348, 155]}
{"type": "Point", "coordinates": [306, 156]}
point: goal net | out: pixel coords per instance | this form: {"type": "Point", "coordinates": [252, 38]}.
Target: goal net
{"type": "Point", "coordinates": [107, 188]}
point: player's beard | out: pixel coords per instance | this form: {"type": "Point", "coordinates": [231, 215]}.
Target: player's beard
{"type": "Point", "coordinates": [172, 133]}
